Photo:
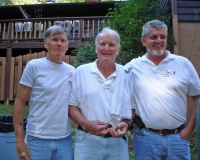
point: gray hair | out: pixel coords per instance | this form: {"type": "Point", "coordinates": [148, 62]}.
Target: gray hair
{"type": "Point", "coordinates": [111, 32]}
{"type": "Point", "coordinates": [54, 30]}
{"type": "Point", "coordinates": [153, 24]}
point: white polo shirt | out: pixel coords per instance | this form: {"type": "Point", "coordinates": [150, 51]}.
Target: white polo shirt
{"type": "Point", "coordinates": [92, 92]}
{"type": "Point", "coordinates": [160, 92]}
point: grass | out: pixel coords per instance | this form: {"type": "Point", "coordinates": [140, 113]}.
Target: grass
{"type": "Point", "coordinates": [8, 110]}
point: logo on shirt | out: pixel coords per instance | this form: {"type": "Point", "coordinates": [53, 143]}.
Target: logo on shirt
{"type": "Point", "coordinates": [70, 74]}
{"type": "Point", "coordinates": [167, 73]}
{"type": "Point", "coordinates": [110, 89]}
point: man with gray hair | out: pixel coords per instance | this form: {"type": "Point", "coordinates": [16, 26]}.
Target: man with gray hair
{"type": "Point", "coordinates": [100, 104]}
{"type": "Point", "coordinates": [46, 82]}
{"type": "Point", "coordinates": [161, 82]}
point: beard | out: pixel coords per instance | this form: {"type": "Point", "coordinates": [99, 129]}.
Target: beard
{"type": "Point", "coordinates": [157, 53]}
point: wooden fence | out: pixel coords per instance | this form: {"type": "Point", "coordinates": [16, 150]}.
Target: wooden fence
{"type": "Point", "coordinates": [17, 66]}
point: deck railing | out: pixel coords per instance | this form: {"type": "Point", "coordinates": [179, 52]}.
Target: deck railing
{"type": "Point", "coordinates": [32, 30]}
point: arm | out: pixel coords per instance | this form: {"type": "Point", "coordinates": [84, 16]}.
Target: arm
{"type": "Point", "coordinates": [191, 124]}
{"type": "Point", "coordinates": [22, 96]}
{"type": "Point", "coordinates": [95, 127]}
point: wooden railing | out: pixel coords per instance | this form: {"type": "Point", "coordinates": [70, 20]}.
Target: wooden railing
{"type": "Point", "coordinates": [17, 66]}
{"type": "Point", "coordinates": [32, 30]}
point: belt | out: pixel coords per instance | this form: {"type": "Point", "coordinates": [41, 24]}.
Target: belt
{"type": "Point", "coordinates": [108, 135]}
{"type": "Point", "coordinates": [163, 132]}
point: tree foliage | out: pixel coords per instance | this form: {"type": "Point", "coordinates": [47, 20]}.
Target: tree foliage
{"type": "Point", "coordinates": [5, 2]}
{"type": "Point", "coordinates": [24, 2]}
{"type": "Point", "coordinates": [128, 18]}
{"type": "Point", "coordinates": [85, 53]}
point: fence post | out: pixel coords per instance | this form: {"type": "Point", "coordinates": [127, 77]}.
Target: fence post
{"type": "Point", "coordinates": [8, 63]}
{"type": "Point", "coordinates": [198, 130]}
{"type": "Point", "coordinates": [7, 76]}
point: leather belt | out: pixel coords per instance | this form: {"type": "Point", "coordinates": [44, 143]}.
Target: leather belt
{"type": "Point", "coordinates": [108, 135]}
{"type": "Point", "coordinates": [168, 131]}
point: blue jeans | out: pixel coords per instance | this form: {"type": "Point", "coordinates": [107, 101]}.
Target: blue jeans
{"type": "Point", "coordinates": [50, 149]}
{"type": "Point", "coordinates": [90, 147]}
{"type": "Point", "coordinates": [148, 145]}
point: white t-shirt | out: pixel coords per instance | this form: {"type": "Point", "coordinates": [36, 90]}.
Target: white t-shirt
{"type": "Point", "coordinates": [160, 92]}
{"type": "Point", "coordinates": [49, 98]}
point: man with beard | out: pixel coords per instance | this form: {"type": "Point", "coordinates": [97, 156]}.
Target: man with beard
{"type": "Point", "coordinates": [160, 82]}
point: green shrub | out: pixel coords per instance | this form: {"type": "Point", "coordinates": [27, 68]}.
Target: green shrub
{"type": "Point", "coordinates": [85, 53]}
{"type": "Point", "coordinates": [128, 18]}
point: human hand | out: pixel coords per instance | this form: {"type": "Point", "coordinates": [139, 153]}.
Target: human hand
{"type": "Point", "coordinates": [96, 127]}
{"type": "Point", "coordinates": [185, 135]}
{"type": "Point", "coordinates": [23, 151]}
{"type": "Point", "coordinates": [119, 131]}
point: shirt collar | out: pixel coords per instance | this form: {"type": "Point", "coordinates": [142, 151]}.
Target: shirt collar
{"type": "Point", "coordinates": [94, 68]}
